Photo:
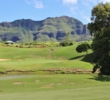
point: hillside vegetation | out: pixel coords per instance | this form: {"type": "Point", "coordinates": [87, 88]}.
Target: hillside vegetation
{"type": "Point", "coordinates": [50, 29]}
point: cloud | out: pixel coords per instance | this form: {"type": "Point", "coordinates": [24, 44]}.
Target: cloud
{"type": "Point", "coordinates": [96, 1]}
{"type": "Point", "coordinates": [82, 7]}
{"type": "Point", "coordinates": [36, 3]}
{"type": "Point", "coordinates": [104, 1]}
{"type": "Point", "coordinates": [76, 8]}
{"type": "Point", "coordinates": [89, 3]}
{"type": "Point", "coordinates": [69, 2]}
{"type": "Point", "coordinates": [72, 4]}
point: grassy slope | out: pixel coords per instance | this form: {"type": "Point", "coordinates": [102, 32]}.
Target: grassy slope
{"type": "Point", "coordinates": [49, 52]}
{"type": "Point", "coordinates": [39, 58]}
{"type": "Point", "coordinates": [60, 52]}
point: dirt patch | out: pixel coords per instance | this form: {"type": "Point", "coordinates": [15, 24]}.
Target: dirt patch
{"type": "Point", "coordinates": [48, 86]}
{"type": "Point", "coordinates": [37, 81]}
{"type": "Point", "coordinates": [59, 84]}
{"type": "Point", "coordinates": [17, 83]}
{"type": "Point", "coordinates": [72, 83]}
{"type": "Point", "coordinates": [4, 59]}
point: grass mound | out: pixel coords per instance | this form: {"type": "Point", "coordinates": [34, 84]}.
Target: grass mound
{"type": "Point", "coordinates": [50, 58]}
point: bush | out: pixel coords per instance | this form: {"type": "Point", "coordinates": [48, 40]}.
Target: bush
{"type": "Point", "coordinates": [64, 43]}
{"type": "Point", "coordinates": [83, 47]}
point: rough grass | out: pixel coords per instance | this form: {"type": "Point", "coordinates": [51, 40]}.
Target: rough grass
{"type": "Point", "coordinates": [55, 87]}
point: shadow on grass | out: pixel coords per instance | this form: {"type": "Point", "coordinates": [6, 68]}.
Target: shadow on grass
{"type": "Point", "coordinates": [85, 58]}
{"type": "Point", "coordinates": [88, 58]}
{"type": "Point", "coordinates": [76, 57]}
{"type": "Point", "coordinates": [102, 78]}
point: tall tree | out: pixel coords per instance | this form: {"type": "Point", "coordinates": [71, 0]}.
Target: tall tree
{"type": "Point", "coordinates": [100, 28]}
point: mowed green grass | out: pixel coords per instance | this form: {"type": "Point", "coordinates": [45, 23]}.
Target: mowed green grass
{"type": "Point", "coordinates": [40, 53]}
{"type": "Point", "coordinates": [42, 58]}
{"type": "Point", "coordinates": [50, 86]}
{"type": "Point", "coordinates": [35, 64]}
{"type": "Point", "coordinates": [55, 87]}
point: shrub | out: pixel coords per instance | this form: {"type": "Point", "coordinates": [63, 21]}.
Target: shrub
{"type": "Point", "coordinates": [65, 43]}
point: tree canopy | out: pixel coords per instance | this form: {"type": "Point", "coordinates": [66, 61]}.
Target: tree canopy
{"type": "Point", "coordinates": [100, 29]}
{"type": "Point", "coordinates": [83, 48]}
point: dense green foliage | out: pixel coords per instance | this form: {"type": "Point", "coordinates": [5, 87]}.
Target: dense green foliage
{"type": "Point", "coordinates": [100, 28]}
{"type": "Point", "coordinates": [66, 43]}
{"type": "Point", "coordinates": [83, 47]}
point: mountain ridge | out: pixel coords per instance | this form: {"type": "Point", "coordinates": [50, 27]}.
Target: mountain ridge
{"type": "Point", "coordinates": [53, 28]}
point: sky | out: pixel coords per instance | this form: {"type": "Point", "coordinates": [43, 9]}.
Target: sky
{"type": "Point", "coordinates": [37, 10]}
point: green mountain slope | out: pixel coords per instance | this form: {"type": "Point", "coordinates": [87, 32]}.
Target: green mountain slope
{"type": "Point", "coordinates": [27, 30]}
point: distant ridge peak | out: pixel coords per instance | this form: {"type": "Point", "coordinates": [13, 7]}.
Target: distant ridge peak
{"type": "Point", "coordinates": [23, 19]}
{"type": "Point", "coordinates": [64, 16]}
